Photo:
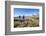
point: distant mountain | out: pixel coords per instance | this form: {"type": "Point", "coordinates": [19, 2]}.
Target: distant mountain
{"type": "Point", "coordinates": [26, 17]}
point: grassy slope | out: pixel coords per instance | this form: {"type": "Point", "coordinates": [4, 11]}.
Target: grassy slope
{"type": "Point", "coordinates": [32, 22]}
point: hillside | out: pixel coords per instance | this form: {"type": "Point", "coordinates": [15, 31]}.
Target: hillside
{"type": "Point", "coordinates": [28, 21]}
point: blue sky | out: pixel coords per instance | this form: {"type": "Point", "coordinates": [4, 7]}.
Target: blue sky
{"type": "Point", "coordinates": [25, 12]}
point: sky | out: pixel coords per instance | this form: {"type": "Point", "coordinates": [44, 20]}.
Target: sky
{"type": "Point", "coordinates": [25, 12]}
